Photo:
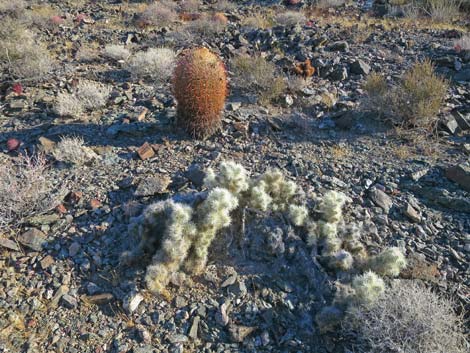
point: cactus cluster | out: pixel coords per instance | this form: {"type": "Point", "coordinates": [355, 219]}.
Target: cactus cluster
{"type": "Point", "coordinates": [200, 90]}
{"type": "Point", "coordinates": [179, 235]}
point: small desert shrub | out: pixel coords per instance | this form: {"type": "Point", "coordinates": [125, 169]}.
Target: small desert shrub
{"type": "Point", "coordinates": [73, 150]}
{"type": "Point", "coordinates": [87, 95]}
{"type": "Point", "coordinates": [224, 5]}
{"type": "Point", "coordinates": [408, 317]}
{"type": "Point", "coordinates": [329, 3]}
{"type": "Point", "coordinates": [290, 18]}
{"type": "Point", "coordinates": [205, 27]}
{"type": "Point", "coordinates": [26, 189]}
{"type": "Point", "coordinates": [442, 10]}
{"type": "Point", "coordinates": [21, 54]}
{"type": "Point", "coordinates": [12, 8]}
{"type": "Point", "coordinates": [189, 5]}
{"type": "Point", "coordinates": [414, 102]}
{"type": "Point", "coordinates": [116, 52]}
{"type": "Point", "coordinates": [258, 21]}
{"type": "Point", "coordinates": [257, 75]}
{"type": "Point", "coordinates": [156, 64]}
{"type": "Point", "coordinates": [160, 14]}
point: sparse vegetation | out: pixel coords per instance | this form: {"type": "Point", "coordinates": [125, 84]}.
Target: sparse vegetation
{"type": "Point", "coordinates": [414, 102]}
{"type": "Point", "coordinates": [290, 18]}
{"type": "Point", "coordinates": [257, 75]}
{"type": "Point", "coordinates": [73, 150]}
{"type": "Point", "coordinates": [116, 52]}
{"type": "Point", "coordinates": [159, 14]}
{"type": "Point", "coordinates": [407, 317]}
{"type": "Point", "coordinates": [26, 189]}
{"type": "Point", "coordinates": [155, 64]}
{"type": "Point", "coordinates": [87, 95]}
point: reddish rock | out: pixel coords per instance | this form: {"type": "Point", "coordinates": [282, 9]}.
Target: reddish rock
{"type": "Point", "coordinates": [61, 209]}
{"type": "Point", "coordinates": [145, 151]}
{"type": "Point", "coordinates": [95, 203]}
{"type": "Point", "coordinates": [13, 144]}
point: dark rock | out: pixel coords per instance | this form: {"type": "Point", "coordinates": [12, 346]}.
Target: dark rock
{"type": "Point", "coordinates": [463, 75]}
{"type": "Point", "coordinates": [463, 120]}
{"type": "Point", "coordinates": [339, 74]}
{"type": "Point", "coordinates": [69, 301]}
{"type": "Point", "coordinates": [359, 67]}
{"type": "Point", "coordinates": [339, 46]}
{"type": "Point", "coordinates": [460, 174]}
{"type": "Point", "coordinates": [196, 175]}
{"type": "Point", "coordinates": [449, 124]}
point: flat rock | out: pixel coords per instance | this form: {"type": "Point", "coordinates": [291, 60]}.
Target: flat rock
{"type": "Point", "coordinates": [131, 302]}
{"type": "Point", "coordinates": [9, 244]}
{"type": "Point", "coordinates": [33, 239]}
{"type": "Point", "coordinates": [99, 299]}
{"type": "Point", "coordinates": [460, 174]}
{"type": "Point", "coordinates": [359, 67]}
{"type": "Point", "coordinates": [153, 185]}
{"type": "Point", "coordinates": [381, 199]}
{"type": "Point", "coordinates": [238, 333]}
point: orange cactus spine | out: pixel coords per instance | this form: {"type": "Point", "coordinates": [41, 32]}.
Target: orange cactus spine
{"type": "Point", "coordinates": [200, 89]}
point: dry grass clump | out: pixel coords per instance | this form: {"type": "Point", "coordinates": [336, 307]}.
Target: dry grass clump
{"type": "Point", "coordinates": [189, 5]}
{"type": "Point", "coordinates": [88, 95]}
{"type": "Point", "coordinates": [224, 5]}
{"type": "Point", "coordinates": [290, 18]}
{"type": "Point", "coordinates": [257, 75]}
{"type": "Point", "coordinates": [26, 189]}
{"type": "Point", "coordinates": [73, 150]}
{"type": "Point", "coordinates": [442, 10]}
{"type": "Point", "coordinates": [258, 20]}
{"type": "Point", "coordinates": [322, 4]}
{"type": "Point", "coordinates": [160, 14]}
{"type": "Point", "coordinates": [21, 54]}
{"type": "Point", "coordinates": [205, 26]}
{"type": "Point", "coordinates": [12, 8]}
{"type": "Point", "coordinates": [409, 318]}
{"type": "Point", "coordinates": [156, 64]}
{"type": "Point", "coordinates": [414, 102]}
{"type": "Point", "coordinates": [116, 52]}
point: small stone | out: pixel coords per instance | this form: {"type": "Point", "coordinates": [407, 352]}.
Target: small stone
{"type": "Point", "coordinates": [460, 174]}
{"type": "Point", "coordinates": [131, 302]}
{"type": "Point", "coordinates": [229, 281]}
{"type": "Point", "coordinates": [33, 239]}
{"type": "Point", "coordinates": [63, 289]}
{"type": "Point", "coordinates": [412, 214]}
{"type": "Point", "coordinates": [359, 67]}
{"type": "Point", "coordinates": [152, 185]}
{"type": "Point", "coordinates": [339, 74]}
{"type": "Point", "coordinates": [180, 302]}
{"type": "Point", "coordinates": [46, 262]}
{"type": "Point", "coordinates": [449, 124]}
{"type": "Point", "coordinates": [177, 338]}
{"type": "Point", "coordinates": [69, 301]}
{"type": "Point", "coordinates": [95, 204]}
{"type": "Point", "coordinates": [13, 144]}
{"type": "Point", "coordinates": [339, 46]}
{"type": "Point", "coordinates": [194, 327]}
{"type": "Point", "coordinates": [99, 299]}
{"type": "Point", "coordinates": [234, 106]}
{"type": "Point", "coordinates": [74, 197]}
{"type": "Point", "coordinates": [463, 120]}
{"type": "Point", "coordinates": [381, 199]}
{"type": "Point", "coordinates": [9, 244]}
{"type": "Point", "coordinates": [143, 334]}
{"type": "Point", "coordinates": [45, 145]}
{"type": "Point", "coordinates": [196, 175]}
{"type": "Point", "coordinates": [74, 248]}
{"type": "Point", "coordinates": [239, 333]}
{"type": "Point", "coordinates": [145, 151]}
{"type": "Point", "coordinates": [221, 316]}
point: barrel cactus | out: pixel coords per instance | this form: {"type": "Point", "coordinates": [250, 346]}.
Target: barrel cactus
{"type": "Point", "coordinates": [200, 89]}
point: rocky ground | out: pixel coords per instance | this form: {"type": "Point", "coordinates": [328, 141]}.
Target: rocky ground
{"type": "Point", "coordinates": [63, 287]}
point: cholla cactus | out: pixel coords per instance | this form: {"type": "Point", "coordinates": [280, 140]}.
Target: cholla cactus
{"type": "Point", "coordinates": [389, 262]}
{"type": "Point", "coordinates": [341, 260]}
{"type": "Point", "coordinates": [332, 245]}
{"type": "Point", "coordinates": [298, 215]}
{"type": "Point", "coordinates": [232, 176]}
{"type": "Point", "coordinates": [213, 215]}
{"type": "Point", "coordinates": [327, 229]}
{"type": "Point", "coordinates": [331, 206]}
{"type": "Point", "coordinates": [258, 197]}
{"type": "Point", "coordinates": [368, 287]}
{"type": "Point", "coordinates": [280, 190]}
{"type": "Point", "coordinates": [174, 230]}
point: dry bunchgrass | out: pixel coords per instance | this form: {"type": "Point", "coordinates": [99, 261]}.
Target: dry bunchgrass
{"type": "Point", "coordinates": [88, 95]}
{"type": "Point", "coordinates": [224, 5]}
{"type": "Point", "coordinates": [116, 52]}
{"type": "Point", "coordinates": [257, 75]}
{"type": "Point", "coordinates": [258, 20]}
{"type": "Point", "coordinates": [205, 27]}
{"type": "Point", "coordinates": [21, 54]}
{"type": "Point", "coordinates": [159, 14]}
{"type": "Point", "coordinates": [290, 18]}
{"type": "Point", "coordinates": [26, 189]}
{"type": "Point", "coordinates": [156, 64]}
{"type": "Point", "coordinates": [407, 318]}
{"type": "Point", "coordinates": [414, 102]}
{"type": "Point", "coordinates": [73, 150]}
